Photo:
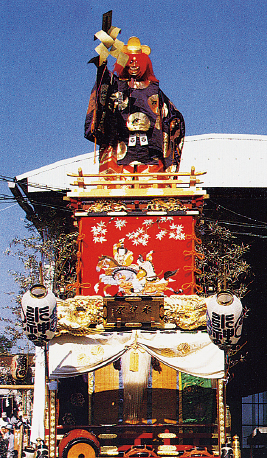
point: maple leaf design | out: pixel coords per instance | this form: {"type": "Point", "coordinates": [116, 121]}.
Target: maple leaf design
{"type": "Point", "coordinates": [95, 230]}
{"type": "Point", "coordinates": [148, 222]}
{"type": "Point", "coordinates": [120, 223]}
{"type": "Point", "coordinates": [161, 234]}
{"type": "Point", "coordinates": [143, 241]}
{"type": "Point", "coordinates": [99, 228]}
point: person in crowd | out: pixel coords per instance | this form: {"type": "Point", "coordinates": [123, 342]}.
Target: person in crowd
{"type": "Point", "coordinates": [9, 439]}
{"type": "Point", "coordinates": [14, 418]}
{"type": "Point", "coordinates": [3, 420]}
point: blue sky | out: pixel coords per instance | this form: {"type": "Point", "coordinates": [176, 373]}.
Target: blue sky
{"type": "Point", "coordinates": [209, 56]}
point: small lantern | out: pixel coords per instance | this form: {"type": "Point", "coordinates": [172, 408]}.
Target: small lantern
{"type": "Point", "coordinates": [19, 367]}
{"type": "Point", "coordinates": [39, 314]}
{"type": "Point", "coordinates": [224, 319]}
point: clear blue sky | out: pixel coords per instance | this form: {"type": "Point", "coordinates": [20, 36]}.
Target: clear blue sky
{"type": "Point", "coordinates": [209, 55]}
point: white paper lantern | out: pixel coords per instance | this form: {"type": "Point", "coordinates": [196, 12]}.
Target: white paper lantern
{"type": "Point", "coordinates": [39, 314]}
{"type": "Point", "coordinates": [224, 319]}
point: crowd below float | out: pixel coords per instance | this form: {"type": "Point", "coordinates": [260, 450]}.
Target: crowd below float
{"type": "Point", "coordinates": [8, 425]}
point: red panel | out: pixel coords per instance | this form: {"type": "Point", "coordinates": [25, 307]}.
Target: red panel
{"type": "Point", "coordinates": [137, 255]}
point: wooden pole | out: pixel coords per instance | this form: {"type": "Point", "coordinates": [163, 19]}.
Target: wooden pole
{"type": "Point", "coordinates": [17, 387]}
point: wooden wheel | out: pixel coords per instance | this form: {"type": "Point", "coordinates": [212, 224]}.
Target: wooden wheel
{"type": "Point", "coordinates": [79, 443]}
{"type": "Point", "coordinates": [81, 450]}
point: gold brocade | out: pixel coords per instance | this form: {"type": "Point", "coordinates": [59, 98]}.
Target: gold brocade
{"type": "Point", "coordinates": [183, 349]}
{"type": "Point", "coordinates": [83, 359]}
{"type": "Point", "coordinates": [166, 151]}
{"type": "Point", "coordinates": [138, 122]}
{"type": "Point", "coordinates": [84, 314]}
{"type": "Point", "coordinates": [86, 359]}
{"type": "Point", "coordinates": [167, 352]}
{"type": "Point", "coordinates": [138, 84]}
{"type": "Point", "coordinates": [97, 350]}
{"type": "Point", "coordinates": [121, 150]}
{"type": "Point", "coordinates": [153, 102]}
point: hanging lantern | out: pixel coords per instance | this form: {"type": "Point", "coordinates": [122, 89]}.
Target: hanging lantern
{"type": "Point", "coordinates": [224, 319]}
{"type": "Point", "coordinates": [39, 314]}
{"type": "Point", "coordinates": [19, 367]}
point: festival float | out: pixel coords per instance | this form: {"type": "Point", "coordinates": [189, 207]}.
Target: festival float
{"type": "Point", "coordinates": [136, 360]}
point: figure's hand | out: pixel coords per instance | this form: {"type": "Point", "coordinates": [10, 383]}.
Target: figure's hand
{"type": "Point", "coordinates": [95, 60]}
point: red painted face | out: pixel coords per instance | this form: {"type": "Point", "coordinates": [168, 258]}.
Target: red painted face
{"type": "Point", "coordinates": [136, 66]}
{"type": "Point", "coordinates": [139, 67]}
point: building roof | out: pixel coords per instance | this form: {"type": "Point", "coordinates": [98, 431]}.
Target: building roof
{"type": "Point", "coordinates": [230, 160]}
{"type": "Point", "coordinates": [54, 176]}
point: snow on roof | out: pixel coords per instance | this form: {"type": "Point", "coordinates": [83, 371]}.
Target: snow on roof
{"type": "Point", "coordinates": [54, 176]}
{"type": "Point", "coordinates": [230, 160]}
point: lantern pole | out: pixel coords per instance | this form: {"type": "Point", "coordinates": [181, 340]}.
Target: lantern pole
{"type": "Point", "coordinates": [46, 394]}
{"type": "Point", "coordinates": [41, 276]}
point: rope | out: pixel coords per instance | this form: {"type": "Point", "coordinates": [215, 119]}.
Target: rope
{"type": "Point", "coordinates": [198, 255]}
{"type": "Point", "coordinates": [77, 285]}
{"type": "Point", "coordinates": [192, 285]}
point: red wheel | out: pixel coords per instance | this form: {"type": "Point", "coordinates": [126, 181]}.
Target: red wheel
{"type": "Point", "coordinates": [140, 452]}
{"type": "Point", "coordinates": [79, 443]}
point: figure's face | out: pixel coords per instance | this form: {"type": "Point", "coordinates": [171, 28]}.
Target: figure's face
{"type": "Point", "coordinates": [136, 66]}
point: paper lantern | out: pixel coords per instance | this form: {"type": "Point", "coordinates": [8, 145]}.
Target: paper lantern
{"type": "Point", "coordinates": [224, 319]}
{"type": "Point", "coordinates": [39, 314]}
{"type": "Point", "coordinates": [19, 367]}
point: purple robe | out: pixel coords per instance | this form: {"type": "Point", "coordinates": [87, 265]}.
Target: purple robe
{"type": "Point", "coordinates": [134, 124]}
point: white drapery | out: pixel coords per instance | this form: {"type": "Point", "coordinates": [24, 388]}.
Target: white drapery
{"type": "Point", "coordinates": [37, 427]}
{"type": "Point", "coordinates": [192, 353]}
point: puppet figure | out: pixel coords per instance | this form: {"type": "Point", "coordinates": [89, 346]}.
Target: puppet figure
{"type": "Point", "coordinates": [135, 125]}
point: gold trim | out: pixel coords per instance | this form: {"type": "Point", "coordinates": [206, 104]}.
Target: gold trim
{"type": "Point", "coordinates": [221, 414]}
{"type": "Point", "coordinates": [52, 428]}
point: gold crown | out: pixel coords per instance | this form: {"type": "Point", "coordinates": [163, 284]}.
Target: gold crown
{"type": "Point", "coordinates": [134, 47]}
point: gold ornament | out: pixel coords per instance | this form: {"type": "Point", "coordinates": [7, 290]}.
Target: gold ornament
{"type": "Point", "coordinates": [138, 122]}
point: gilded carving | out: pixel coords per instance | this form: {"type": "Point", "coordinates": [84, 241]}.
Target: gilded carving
{"type": "Point", "coordinates": [77, 315]}
{"type": "Point", "coordinates": [168, 204]}
{"type": "Point", "coordinates": [187, 312]}
{"type": "Point", "coordinates": [105, 206]}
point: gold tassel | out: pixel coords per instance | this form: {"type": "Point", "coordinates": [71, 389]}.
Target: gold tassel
{"type": "Point", "coordinates": [134, 361]}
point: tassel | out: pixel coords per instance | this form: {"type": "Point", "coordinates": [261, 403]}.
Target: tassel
{"type": "Point", "coordinates": [134, 361]}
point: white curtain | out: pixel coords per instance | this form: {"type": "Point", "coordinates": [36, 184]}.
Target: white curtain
{"type": "Point", "coordinates": [37, 427]}
{"type": "Point", "coordinates": [192, 353]}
